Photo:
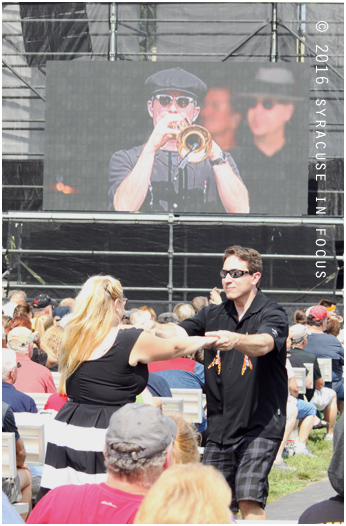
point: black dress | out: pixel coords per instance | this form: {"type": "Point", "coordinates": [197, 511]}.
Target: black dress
{"type": "Point", "coordinates": [77, 434]}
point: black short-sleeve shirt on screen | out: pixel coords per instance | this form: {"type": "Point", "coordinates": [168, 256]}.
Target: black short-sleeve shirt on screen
{"type": "Point", "coordinates": [249, 396]}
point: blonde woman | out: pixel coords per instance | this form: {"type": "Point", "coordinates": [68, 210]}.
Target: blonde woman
{"type": "Point", "coordinates": [103, 366]}
{"type": "Point", "coordinates": [187, 494]}
{"type": "Point", "coordinates": [42, 323]}
{"type": "Point", "coordinates": [51, 343]}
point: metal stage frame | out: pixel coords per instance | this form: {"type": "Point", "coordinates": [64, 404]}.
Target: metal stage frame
{"type": "Point", "coordinates": [126, 31]}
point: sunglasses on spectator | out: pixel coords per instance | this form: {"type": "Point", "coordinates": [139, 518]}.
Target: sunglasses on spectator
{"type": "Point", "coordinates": [267, 104]}
{"type": "Point", "coordinates": [125, 300]}
{"type": "Point", "coordinates": [234, 273]}
{"type": "Point", "coordinates": [166, 100]}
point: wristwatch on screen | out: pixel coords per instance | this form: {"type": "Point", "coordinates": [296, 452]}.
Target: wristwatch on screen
{"type": "Point", "coordinates": [220, 160]}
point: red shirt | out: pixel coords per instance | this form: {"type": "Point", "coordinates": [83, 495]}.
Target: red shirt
{"type": "Point", "coordinates": [86, 504]}
{"type": "Point", "coordinates": [56, 401]}
{"type": "Point", "coordinates": [33, 377]}
{"type": "Point", "coordinates": [184, 364]}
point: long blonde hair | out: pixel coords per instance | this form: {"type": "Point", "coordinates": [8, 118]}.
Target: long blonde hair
{"type": "Point", "coordinates": [93, 316]}
{"type": "Point", "coordinates": [53, 338]}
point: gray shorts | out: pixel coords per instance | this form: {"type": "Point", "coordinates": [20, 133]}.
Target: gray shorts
{"type": "Point", "coordinates": [11, 488]}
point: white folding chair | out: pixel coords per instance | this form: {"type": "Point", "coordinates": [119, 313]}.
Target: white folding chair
{"type": "Point", "coordinates": [34, 442]}
{"type": "Point", "coordinates": [40, 399]}
{"type": "Point", "coordinates": [310, 368]}
{"type": "Point", "coordinates": [172, 406]}
{"type": "Point", "coordinates": [192, 403]}
{"type": "Point", "coordinates": [300, 374]}
{"type": "Point", "coordinates": [325, 365]}
{"type": "Point", "coordinates": [9, 464]}
{"type": "Point", "coordinates": [56, 377]}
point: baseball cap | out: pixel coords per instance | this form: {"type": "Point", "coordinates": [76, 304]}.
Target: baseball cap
{"type": "Point", "coordinates": [298, 332]}
{"type": "Point", "coordinates": [175, 79]}
{"type": "Point", "coordinates": [60, 312]}
{"type": "Point", "coordinates": [142, 425]}
{"type": "Point", "coordinates": [20, 336]}
{"type": "Point", "coordinates": [318, 312]}
{"type": "Point", "coordinates": [41, 301]}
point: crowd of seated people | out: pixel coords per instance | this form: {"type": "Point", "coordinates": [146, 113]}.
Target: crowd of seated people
{"type": "Point", "coordinates": [120, 367]}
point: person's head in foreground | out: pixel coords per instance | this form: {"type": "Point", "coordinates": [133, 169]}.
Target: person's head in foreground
{"type": "Point", "coordinates": [187, 494]}
{"type": "Point", "coordinates": [138, 444]}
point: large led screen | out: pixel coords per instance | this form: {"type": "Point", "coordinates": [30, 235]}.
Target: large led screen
{"type": "Point", "coordinates": [191, 138]}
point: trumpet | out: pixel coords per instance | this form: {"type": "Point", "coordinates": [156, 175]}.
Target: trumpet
{"type": "Point", "coordinates": [193, 141]}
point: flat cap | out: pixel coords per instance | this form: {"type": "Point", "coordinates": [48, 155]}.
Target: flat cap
{"type": "Point", "coordinates": [175, 79]}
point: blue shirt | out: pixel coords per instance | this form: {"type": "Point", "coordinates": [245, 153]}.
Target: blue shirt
{"type": "Point", "coordinates": [328, 346]}
{"type": "Point", "coordinates": [20, 402]}
{"type": "Point", "coordinates": [9, 514]}
{"type": "Point", "coordinates": [177, 378]}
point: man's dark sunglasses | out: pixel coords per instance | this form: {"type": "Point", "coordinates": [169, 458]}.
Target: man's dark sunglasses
{"type": "Point", "coordinates": [234, 273]}
{"type": "Point", "coordinates": [267, 104]}
{"type": "Point", "coordinates": [166, 100]}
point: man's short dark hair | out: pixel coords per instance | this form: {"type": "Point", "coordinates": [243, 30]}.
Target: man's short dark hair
{"type": "Point", "coordinates": [251, 256]}
{"type": "Point", "coordinates": [314, 323]}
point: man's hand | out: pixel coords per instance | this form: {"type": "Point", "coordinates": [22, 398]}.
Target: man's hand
{"type": "Point", "coordinates": [226, 340]}
{"type": "Point", "coordinates": [215, 296]}
{"type": "Point", "coordinates": [168, 127]}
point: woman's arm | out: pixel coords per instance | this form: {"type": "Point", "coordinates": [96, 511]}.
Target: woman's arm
{"type": "Point", "coordinates": [149, 348]}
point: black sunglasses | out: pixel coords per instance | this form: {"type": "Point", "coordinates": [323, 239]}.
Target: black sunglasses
{"type": "Point", "coordinates": [267, 104]}
{"type": "Point", "coordinates": [234, 273]}
{"type": "Point", "coordinates": [166, 100]}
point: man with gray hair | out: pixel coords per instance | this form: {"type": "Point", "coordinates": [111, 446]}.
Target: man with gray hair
{"type": "Point", "coordinates": [137, 450]}
{"type": "Point", "coordinates": [322, 397]}
{"type": "Point", "coordinates": [32, 377]}
{"type": "Point", "coordinates": [20, 402]}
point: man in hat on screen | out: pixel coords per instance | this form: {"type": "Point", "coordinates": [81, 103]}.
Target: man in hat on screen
{"type": "Point", "coordinates": [272, 155]}
{"type": "Point", "coordinates": [138, 449]}
{"type": "Point", "coordinates": [154, 177]}
{"type": "Point", "coordinates": [270, 108]}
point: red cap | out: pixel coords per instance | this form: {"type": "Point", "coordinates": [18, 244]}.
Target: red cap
{"type": "Point", "coordinates": [318, 312]}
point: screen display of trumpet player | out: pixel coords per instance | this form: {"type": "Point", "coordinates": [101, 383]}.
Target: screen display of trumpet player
{"type": "Point", "coordinates": [180, 168]}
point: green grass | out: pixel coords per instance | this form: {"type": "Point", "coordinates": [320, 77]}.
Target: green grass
{"type": "Point", "coordinates": [308, 469]}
